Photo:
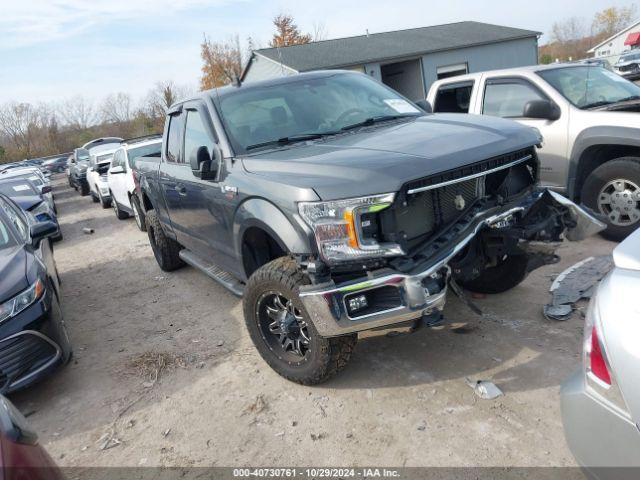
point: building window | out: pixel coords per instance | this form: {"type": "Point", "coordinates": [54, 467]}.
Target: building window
{"type": "Point", "coordinates": [452, 70]}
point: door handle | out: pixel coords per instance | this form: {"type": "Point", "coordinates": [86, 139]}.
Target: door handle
{"type": "Point", "coordinates": [181, 189]}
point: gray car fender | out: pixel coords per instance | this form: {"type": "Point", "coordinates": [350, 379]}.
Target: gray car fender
{"type": "Point", "coordinates": [260, 213]}
{"type": "Point", "coordinates": [601, 135]}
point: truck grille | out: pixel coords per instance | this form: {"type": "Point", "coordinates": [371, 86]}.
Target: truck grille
{"type": "Point", "coordinates": [22, 355]}
{"type": "Point", "coordinates": [426, 206]}
{"type": "Point", "coordinates": [629, 68]}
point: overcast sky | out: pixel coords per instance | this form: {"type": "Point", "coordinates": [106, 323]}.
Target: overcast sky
{"type": "Point", "coordinates": [54, 49]}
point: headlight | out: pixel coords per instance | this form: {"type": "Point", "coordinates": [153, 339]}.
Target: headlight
{"type": "Point", "coordinates": [15, 305]}
{"type": "Point", "coordinates": [337, 226]}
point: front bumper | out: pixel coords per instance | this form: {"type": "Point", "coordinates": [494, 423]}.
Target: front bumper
{"type": "Point", "coordinates": [409, 296]}
{"type": "Point", "coordinates": [32, 344]}
{"type": "Point", "coordinates": [603, 441]}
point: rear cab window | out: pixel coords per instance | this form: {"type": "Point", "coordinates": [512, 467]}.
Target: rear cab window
{"type": "Point", "coordinates": [453, 97]}
{"type": "Point", "coordinates": [174, 138]}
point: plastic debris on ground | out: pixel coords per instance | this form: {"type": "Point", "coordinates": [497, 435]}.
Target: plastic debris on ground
{"type": "Point", "coordinates": [576, 282]}
{"type": "Point", "coordinates": [484, 389]}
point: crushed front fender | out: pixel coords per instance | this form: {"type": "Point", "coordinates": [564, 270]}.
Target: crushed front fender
{"type": "Point", "coordinates": [416, 286]}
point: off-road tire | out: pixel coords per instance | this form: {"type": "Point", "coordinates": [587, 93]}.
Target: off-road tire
{"type": "Point", "coordinates": [95, 198]}
{"type": "Point", "coordinates": [504, 276]}
{"type": "Point", "coordinates": [165, 249]}
{"type": "Point", "coordinates": [627, 168]}
{"type": "Point", "coordinates": [140, 218]}
{"type": "Point", "coordinates": [326, 356]}
{"type": "Point", "coordinates": [84, 189]}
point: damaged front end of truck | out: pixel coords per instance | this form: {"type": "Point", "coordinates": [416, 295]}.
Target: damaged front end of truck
{"type": "Point", "coordinates": [390, 259]}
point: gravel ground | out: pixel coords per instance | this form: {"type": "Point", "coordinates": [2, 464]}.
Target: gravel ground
{"type": "Point", "coordinates": [164, 373]}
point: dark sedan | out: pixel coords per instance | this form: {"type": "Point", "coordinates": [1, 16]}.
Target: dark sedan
{"type": "Point", "coordinates": [33, 339]}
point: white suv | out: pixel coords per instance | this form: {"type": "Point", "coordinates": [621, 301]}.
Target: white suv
{"type": "Point", "coordinates": [121, 176]}
{"type": "Point", "coordinates": [99, 164]}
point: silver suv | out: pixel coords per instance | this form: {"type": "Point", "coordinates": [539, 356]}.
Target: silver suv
{"type": "Point", "coordinates": [589, 119]}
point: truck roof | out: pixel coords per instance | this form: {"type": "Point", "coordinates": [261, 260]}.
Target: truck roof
{"type": "Point", "coordinates": [512, 71]}
{"type": "Point", "coordinates": [230, 89]}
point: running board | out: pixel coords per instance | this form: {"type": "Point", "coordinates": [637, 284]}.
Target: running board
{"type": "Point", "coordinates": [225, 279]}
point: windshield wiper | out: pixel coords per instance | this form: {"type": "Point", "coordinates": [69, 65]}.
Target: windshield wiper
{"type": "Point", "coordinates": [602, 103]}
{"type": "Point", "coordinates": [373, 120]}
{"type": "Point", "coordinates": [627, 99]}
{"type": "Point", "coordinates": [301, 137]}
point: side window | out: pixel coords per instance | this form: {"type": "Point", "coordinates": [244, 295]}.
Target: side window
{"type": "Point", "coordinates": [195, 135]}
{"type": "Point", "coordinates": [453, 98]}
{"type": "Point", "coordinates": [16, 218]}
{"type": "Point", "coordinates": [507, 99]}
{"type": "Point", "coordinates": [174, 138]}
{"type": "Point", "coordinates": [119, 158]}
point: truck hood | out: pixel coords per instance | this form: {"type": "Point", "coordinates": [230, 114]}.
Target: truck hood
{"type": "Point", "coordinates": [382, 158]}
{"type": "Point", "coordinates": [12, 272]}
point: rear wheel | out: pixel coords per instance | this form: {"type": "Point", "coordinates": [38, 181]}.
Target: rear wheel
{"type": "Point", "coordinates": [509, 272]}
{"type": "Point", "coordinates": [165, 249]}
{"type": "Point", "coordinates": [137, 213]}
{"type": "Point", "coordinates": [613, 189]}
{"type": "Point", "coordinates": [280, 328]}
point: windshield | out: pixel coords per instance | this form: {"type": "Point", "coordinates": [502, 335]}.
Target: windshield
{"type": "Point", "coordinates": [306, 106]}
{"type": "Point", "coordinates": [6, 239]}
{"type": "Point", "coordinates": [587, 87]}
{"type": "Point", "coordinates": [17, 189]}
{"type": "Point", "coordinates": [629, 57]}
{"type": "Point", "coordinates": [104, 147]}
{"type": "Point", "coordinates": [152, 150]}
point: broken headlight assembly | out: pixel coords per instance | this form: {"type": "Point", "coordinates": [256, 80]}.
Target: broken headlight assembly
{"type": "Point", "coordinates": [341, 228]}
{"type": "Point", "coordinates": [15, 305]}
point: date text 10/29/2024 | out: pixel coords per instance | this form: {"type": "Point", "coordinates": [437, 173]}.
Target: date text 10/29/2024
{"type": "Point", "coordinates": [316, 473]}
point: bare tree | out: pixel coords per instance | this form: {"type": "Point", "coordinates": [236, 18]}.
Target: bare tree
{"type": "Point", "coordinates": [78, 112]}
{"type": "Point", "coordinates": [19, 123]}
{"type": "Point", "coordinates": [222, 62]}
{"type": "Point", "coordinates": [319, 32]}
{"type": "Point", "coordinates": [117, 108]}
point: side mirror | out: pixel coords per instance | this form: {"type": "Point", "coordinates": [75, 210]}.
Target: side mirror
{"type": "Point", "coordinates": [42, 230]}
{"type": "Point", "coordinates": [46, 189]}
{"type": "Point", "coordinates": [117, 169]}
{"type": "Point", "coordinates": [542, 109]}
{"type": "Point", "coordinates": [425, 105]}
{"type": "Point", "coordinates": [202, 165]}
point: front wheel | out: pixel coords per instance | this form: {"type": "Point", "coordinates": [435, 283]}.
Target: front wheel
{"type": "Point", "coordinates": [281, 331]}
{"type": "Point", "coordinates": [506, 274]}
{"type": "Point", "coordinates": [613, 189]}
{"type": "Point", "coordinates": [84, 189]}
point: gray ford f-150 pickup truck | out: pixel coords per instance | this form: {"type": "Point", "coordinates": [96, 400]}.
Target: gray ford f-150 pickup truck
{"type": "Point", "coordinates": [334, 206]}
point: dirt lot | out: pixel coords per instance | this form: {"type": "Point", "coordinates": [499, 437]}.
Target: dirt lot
{"type": "Point", "coordinates": [164, 373]}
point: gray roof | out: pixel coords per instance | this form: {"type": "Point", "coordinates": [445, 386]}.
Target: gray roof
{"type": "Point", "coordinates": [342, 52]}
